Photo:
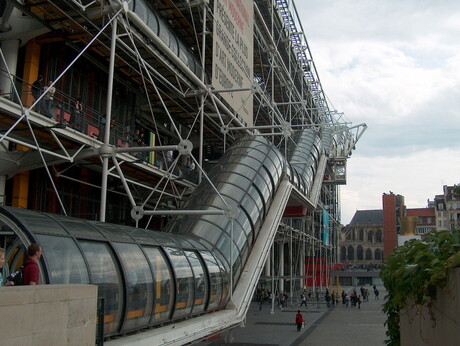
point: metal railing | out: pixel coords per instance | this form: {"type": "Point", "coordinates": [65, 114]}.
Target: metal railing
{"type": "Point", "coordinates": [100, 322]}
{"type": "Point", "coordinates": [90, 121]}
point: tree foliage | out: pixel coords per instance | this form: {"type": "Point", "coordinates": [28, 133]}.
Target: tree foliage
{"type": "Point", "coordinates": [456, 193]}
{"type": "Point", "coordinates": [415, 271]}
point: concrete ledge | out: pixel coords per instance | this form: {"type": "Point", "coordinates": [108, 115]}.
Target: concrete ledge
{"type": "Point", "coordinates": [419, 327]}
{"type": "Point", "coordinates": [48, 315]}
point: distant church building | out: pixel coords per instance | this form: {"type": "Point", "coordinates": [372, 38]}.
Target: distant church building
{"type": "Point", "coordinates": [361, 242]}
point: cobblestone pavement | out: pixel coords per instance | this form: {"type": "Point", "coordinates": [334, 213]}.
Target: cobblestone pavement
{"type": "Point", "coordinates": [338, 326]}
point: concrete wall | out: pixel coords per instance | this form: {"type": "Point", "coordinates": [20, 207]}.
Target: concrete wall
{"type": "Point", "coordinates": [417, 326]}
{"type": "Point", "coordinates": [48, 315]}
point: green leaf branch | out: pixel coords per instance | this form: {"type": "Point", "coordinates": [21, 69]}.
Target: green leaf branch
{"type": "Point", "coordinates": [415, 271]}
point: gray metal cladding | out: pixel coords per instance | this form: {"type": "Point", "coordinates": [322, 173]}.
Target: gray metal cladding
{"type": "Point", "coordinates": [246, 179]}
{"type": "Point", "coordinates": [166, 34]}
{"type": "Point", "coordinates": [326, 139]}
{"type": "Point", "coordinates": [303, 155]}
{"type": "Point", "coordinates": [194, 247]}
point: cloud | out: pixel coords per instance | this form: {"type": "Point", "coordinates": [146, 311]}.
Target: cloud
{"type": "Point", "coordinates": [394, 65]}
{"type": "Point", "coordinates": [418, 176]}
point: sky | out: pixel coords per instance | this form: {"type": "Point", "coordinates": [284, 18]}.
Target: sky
{"type": "Point", "coordinates": [394, 65]}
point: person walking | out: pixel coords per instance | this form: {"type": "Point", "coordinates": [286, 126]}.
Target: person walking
{"type": "Point", "coordinates": [31, 269]}
{"type": "Point", "coordinates": [299, 320]}
{"type": "Point", "coordinates": [304, 300]}
{"type": "Point", "coordinates": [376, 292]}
{"type": "Point", "coordinates": [327, 297]}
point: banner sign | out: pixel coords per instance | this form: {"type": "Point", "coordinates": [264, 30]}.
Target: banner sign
{"type": "Point", "coordinates": [232, 63]}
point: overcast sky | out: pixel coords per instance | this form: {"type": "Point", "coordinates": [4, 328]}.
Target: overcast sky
{"type": "Point", "coordinates": [394, 65]}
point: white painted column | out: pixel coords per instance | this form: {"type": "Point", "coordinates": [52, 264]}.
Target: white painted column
{"type": "Point", "coordinates": [267, 266]}
{"type": "Point", "coordinates": [281, 267]}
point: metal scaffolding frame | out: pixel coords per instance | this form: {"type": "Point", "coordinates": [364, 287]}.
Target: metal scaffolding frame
{"type": "Point", "coordinates": [286, 91]}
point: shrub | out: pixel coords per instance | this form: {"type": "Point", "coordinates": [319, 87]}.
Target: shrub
{"type": "Point", "coordinates": [415, 271]}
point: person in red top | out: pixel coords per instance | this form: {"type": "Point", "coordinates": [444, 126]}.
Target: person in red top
{"type": "Point", "coordinates": [299, 320]}
{"type": "Point", "coordinates": [31, 269]}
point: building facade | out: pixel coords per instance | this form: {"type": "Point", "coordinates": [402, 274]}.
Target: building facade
{"type": "Point", "coordinates": [426, 219]}
{"type": "Point", "coordinates": [393, 210]}
{"type": "Point", "coordinates": [201, 118]}
{"type": "Point", "coordinates": [362, 241]}
{"type": "Point", "coordinates": [447, 209]}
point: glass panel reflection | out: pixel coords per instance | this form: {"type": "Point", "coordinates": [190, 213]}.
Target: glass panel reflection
{"type": "Point", "coordinates": [65, 262]}
{"type": "Point", "coordinates": [37, 222]}
{"type": "Point", "coordinates": [201, 282]}
{"type": "Point", "coordinates": [140, 286]}
{"type": "Point", "coordinates": [163, 285]}
{"type": "Point", "coordinates": [106, 275]}
{"type": "Point", "coordinates": [215, 280]}
{"type": "Point", "coordinates": [185, 282]}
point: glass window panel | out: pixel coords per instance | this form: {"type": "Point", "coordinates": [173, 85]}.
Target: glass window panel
{"type": "Point", "coordinates": [275, 168]}
{"type": "Point", "coordinates": [113, 232]}
{"type": "Point", "coordinates": [244, 253]}
{"type": "Point", "coordinates": [140, 286]}
{"type": "Point", "coordinates": [183, 224]}
{"type": "Point", "coordinates": [65, 262]}
{"type": "Point", "coordinates": [189, 243]}
{"type": "Point", "coordinates": [173, 44]}
{"type": "Point", "coordinates": [225, 282]}
{"type": "Point", "coordinates": [232, 191]}
{"type": "Point", "coordinates": [245, 225]}
{"type": "Point", "coordinates": [106, 275]}
{"type": "Point", "coordinates": [247, 170]}
{"type": "Point", "coordinates": [162, 238]}
{"type": "Point", "coordinates": [239, 237]}
{"type": "Point", "coordinates": [141, 10]}
{"type": "Point", "coordinates": [236, 271]}
{"type": "Point", "coordinates": [184, 54]}
{"type": "Point", "coordinates": [219, 221]}
{"type": "Point", "coordinates": [258, 154]}
{"type": "Point", "coordinates": [257, 195]}
{"type": "Point", "coordinates": [37, 222]}
{"type": "Point", "coordinates": [251, 162]}
{"type": "Point", "coordinates": [153, 22]}
{"type": "Point", "coordinates": [164, 32]}
{"type": "Point", "coordinates": [141, 236]}
{"type": "Point", "coordinates": [185, 282]}
{"type": "Point", "coordinates": [215, 280]}
{"type": "Point", "coordinates": [195, 244]}
{"type": "Point", "coordinates": [79, 228]}
{"type": "Point", "coordinates": [263, 186]}
{"type": "Point", "coordinates": [251, 208]}
{"type": "Point", "coordinates": [163, 285]}
{"type": "Point", "coordinates": [207, 231]}
{"type": "Point", "coordinates": [201, 282]}
{"type": "Point", "coordinates": [223, 245]}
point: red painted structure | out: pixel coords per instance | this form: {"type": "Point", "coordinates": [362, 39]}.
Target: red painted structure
{"type": "Point", "coordinates": [393, 210]}
{"type": "Point", "coordinates": [317, 270]}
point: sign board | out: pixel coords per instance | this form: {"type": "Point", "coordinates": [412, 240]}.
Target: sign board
{"type": "Point", "coordinates": [232, 62]}
{"type": "Point", "coordinates": [326, 240]}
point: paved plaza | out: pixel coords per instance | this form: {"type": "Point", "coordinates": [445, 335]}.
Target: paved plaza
{"type": "Point", "coordinates": [338, 326]}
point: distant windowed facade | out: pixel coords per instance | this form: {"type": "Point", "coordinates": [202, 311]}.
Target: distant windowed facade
{"type": "Point", "coordinates": [361, 242]}
{"type": "Point", "coordinates": [447, 209]}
